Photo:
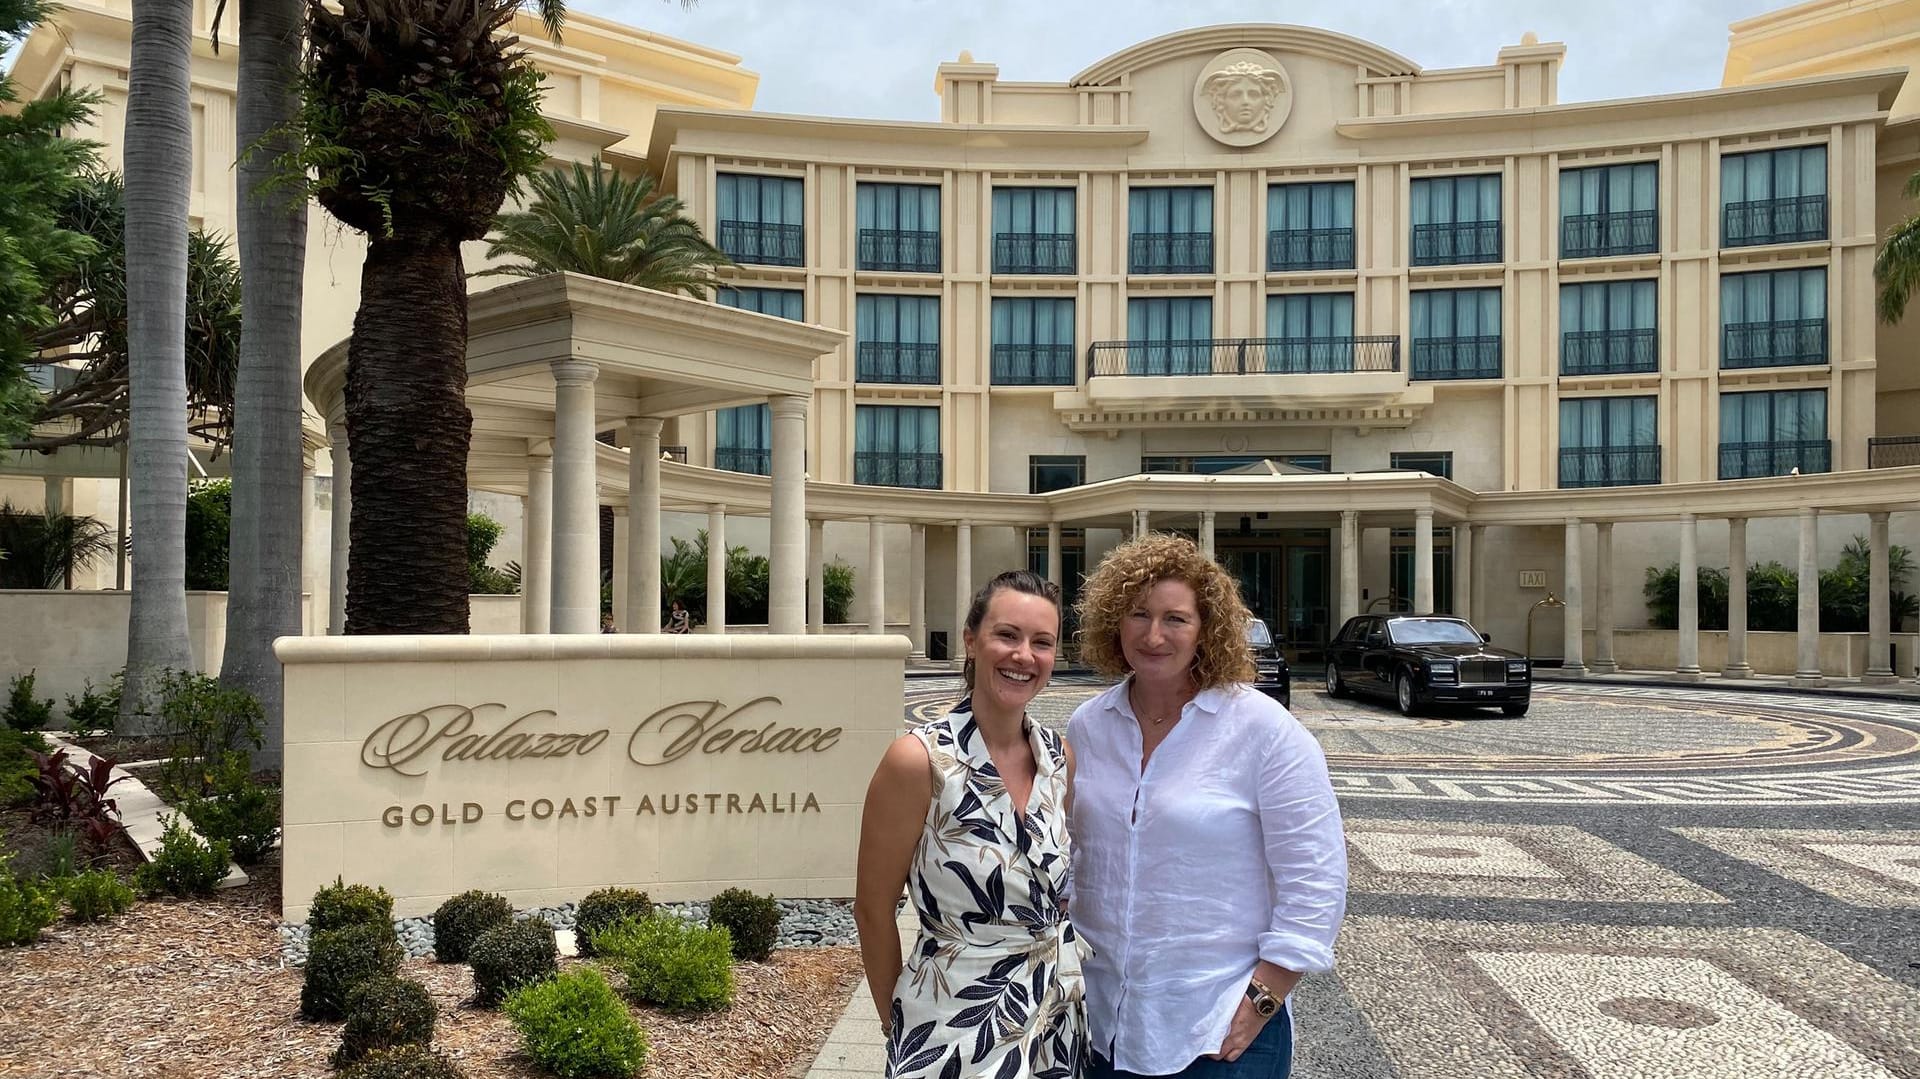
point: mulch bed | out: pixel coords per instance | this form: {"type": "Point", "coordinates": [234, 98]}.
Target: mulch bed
{"type": "Point", "coordinates": [196, 989]}
{"type": "Point", "coordinates": [124, 747]}
{"type": "Point", "coordinates": [30, 842]}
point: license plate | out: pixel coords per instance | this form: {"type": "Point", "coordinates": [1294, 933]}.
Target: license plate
{"type": "Point", "coordinates": [1483, 693]}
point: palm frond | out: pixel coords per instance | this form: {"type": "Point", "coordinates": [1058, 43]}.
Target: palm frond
{"type": "Point", "coordinates": [1897, 269]}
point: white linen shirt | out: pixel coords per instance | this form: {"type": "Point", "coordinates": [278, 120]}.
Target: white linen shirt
{"type": "Point", "coordinates": [1227, 850]}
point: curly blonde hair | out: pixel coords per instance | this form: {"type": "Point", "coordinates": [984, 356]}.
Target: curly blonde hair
{"type": "Point", "coordinates": [1125, 575]}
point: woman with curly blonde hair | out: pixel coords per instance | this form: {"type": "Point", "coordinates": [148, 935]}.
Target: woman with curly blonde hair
{"type": "Point", "coordinates": [1209, 863]}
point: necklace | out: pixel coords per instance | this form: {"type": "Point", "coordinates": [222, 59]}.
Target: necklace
{"type": "Point", "coordinates": [1150, 719]}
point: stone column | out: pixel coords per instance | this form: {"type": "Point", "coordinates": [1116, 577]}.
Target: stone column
{"type": "Point", "coordinates": [309, 536]}
{"type": "Point", "coordinates": [1603, 599]}
{"type": "Point", "coordinates": [1463, 604]}
{"type": "Point", "coordinates": [643, 511]}
{"type": "Point", "coordinates": [1206, 533]}
{"type": "Point", "coordinates": [1054, 571]}
{"type": "Point", "coordinates": [1737, 600]}
{"type": "Point", "coordinates": [1477, 587]}
{"type": "Point", "coordinates": [1687, 658]}
{"type": "Point", "coordinates": [622, 570]}
{"type": "Point", "coordinates": [1807, 672]}
{"type": "Point", "coordinates": [962, 591]}
{"type": "Point", "coordinates": [576, 506]}
{"type": "Point", "coordinates": [536, 552]}
{"type": "Point", "coordinates": [816, 575]}
{"type": "Point", "coordinates": [1879, 596]}
{"type": "Point", "coordinates": [1573, 653]}
{"type": "Point", "coordinates": [1423, 561]}
{"type": "Point", "coordinates": [342, 522]}
{"type": "Point", "coordinates": [876, 588]}
{"type": "Point", "coordinates": [1141, 522]}
{"type": "Point", "coordinates": [1349, 564]}
{"type": "Point", "coordinates": [787, 604]}
{"type": "Point", "coordinates": [716, 568]}
{"type": "Point", "coordinates": [917, 589]}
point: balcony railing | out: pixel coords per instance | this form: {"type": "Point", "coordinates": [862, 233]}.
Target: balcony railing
{"type": "Point", "coordinates": [1609, 466]}
{"type": "Point", "coordinates": [1033, 252]}
{"type": "Point", "coordinates": [1170, 252]}
{"type": "Point", "coordinates": [1622, 232]}
{"type": "Point", "coordinates": [897, 362]}
{"type": "Point", "coordinates": [1456, 242]}
{"type": "Point", "coordinates": [1245, 356]}
{"type": "Point", "coordinates": [1033, 365]}
{"type": "Point", "coordinates": [1456, 357]}
{"type": "Point", "coordinates": [764, 243]}
{"type": "Point", "coordinates": [1310, 249]}
{"type": "Point", "coordinates": [1774, 344]}
{"type": "Point", "coordinates": [1893, 451]}
{"type": "Point", "coordinates": [1608, 352]}
{"type": "Point", "coordinates": [888, 469]}
{"type": "Point", "coordinates": [1774, 221]}
{"type": "Point", "coordinates": [899, 250]}
{"type": "Point", "coordinates": [1742, 460]}
{"type": "Point", "coordinates": [757, 462]}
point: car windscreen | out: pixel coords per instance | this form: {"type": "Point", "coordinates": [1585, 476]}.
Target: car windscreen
{"type": "Point", "coordinates": [1431, 631]}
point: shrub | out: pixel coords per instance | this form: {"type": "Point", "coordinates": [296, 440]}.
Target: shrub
{"type": "Point", "coordinates": [94, 713]}
{"type": "Point", "coordinates": [672, 963]}
{"type": "Point", "coordinates": [185, 865]}
{"type": "Point", "coordinates": [509, 956]}
{"type": "Point", "coordinates": [26, 907]}
{"type": "Point", "coordinates": [482, 579]}
{"type": "Point", "coordinates": [462, 919]}
{"type": "Point", "coordinates": [340, 959]}
{"type": "Point", "coordinates": [837, 591]}
{"type": "Point", "coordinates": [44, 549]}
{"type": "Point", "coordinates": [603, 909]}
{"type": "Point", "coordinates": [576, 1027]}
{"type": "Point", "coordinates": [340, 904]}
{"type": "Point", "coordinates": [244, 813]}
{"type": "Point", "coordinates": [753, 921]}
{"type": "Point", "coordinates": [96, 895]}
{"type": "Point", "coordinates": [17, 767]}
{"type": "Point", "coordinates": [406, 1062]}
{"type": "Point", "coordinates": [24, 711]}
{"type": "Point", "coordinates": [203, 721]}
{"type": "Point", "coordinates": [384, 1013]}
{"type": "Point", "coordinates": [209, 524]}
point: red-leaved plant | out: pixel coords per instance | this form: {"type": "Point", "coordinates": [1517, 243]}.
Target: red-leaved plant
{"type": "Point", "coordinates": [66, 793]}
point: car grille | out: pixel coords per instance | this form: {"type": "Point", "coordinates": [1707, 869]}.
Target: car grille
{"type": "Point", "coordinates": [1483, 671]}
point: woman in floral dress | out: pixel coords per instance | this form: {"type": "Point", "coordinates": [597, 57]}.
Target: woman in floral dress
{"type": "Point", "coordinates": [969, 815]}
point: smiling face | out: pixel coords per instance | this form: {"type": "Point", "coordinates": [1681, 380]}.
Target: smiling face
{"type": "Point", "coordinates": [1161, 634]}
{"type": "Point", "coordinates": [1013, 651]}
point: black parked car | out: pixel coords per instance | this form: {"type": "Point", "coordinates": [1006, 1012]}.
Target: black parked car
{"type": "Point", "coordinates": [1415, 660]}
{"type": "Point", "coordinates": [1273, 678]}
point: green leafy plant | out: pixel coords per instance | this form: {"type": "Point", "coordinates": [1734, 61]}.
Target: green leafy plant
{"type": "Point", "coordinates": [461, 919]}
{"type": "Point", "coordinates": [185, 864]}
{"type": "Point", "coordinates": [509, 956]}
{"type": "Point", "coordinates": [406, 1062]}
{"type": "Point", "coordinates": [340, 959]}
{"type": "Point", "coordinates": [340, 904]}
{"type": "Point", "coordinates": [235, 808]}
{"type": "Point", "coordinates": [1773, 593]}
{"type": "Point", "coordinates": [605, 908]}
{"type": "Point", "coordinates": [670, 962]}
{"type": "Point", "coordinates": [26, 906]}
{"type": "Point", "coordinates": [43, 549]}
{"type": "Point", "coordinates": [483, 532]}
{"type": "Point", "coordinates": [17, 767]}
{"type": "Point", "coordinates": [753, 921]}
{"type": "Point", "coordinates": [25, 712]}
{"type": "Point", "coordinates": [384, 1013]}
{"type": "Point", "coordinates": [209, 524]}
{"type": "Point", "coordinates": [576, 1027]}
{"type": "Point", "coordinates": [96, 895]}
{"type": "Point", "coordinates": [202, 721]}
{"type": "Point", "coordinates": [92, 712]}
{"type": "Point", "coordinates": [837, 591]}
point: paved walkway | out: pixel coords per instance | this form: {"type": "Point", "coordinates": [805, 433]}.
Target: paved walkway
{"type": "Point", "coordinates": [855, 1047]}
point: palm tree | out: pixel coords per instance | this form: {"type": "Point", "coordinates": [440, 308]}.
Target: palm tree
{"type": "Point", "coordinates": [599, 223]}
{"type": "Point", "coordinates": [417, 119]}
{"type": "Point", "coordinates": [1897, 266]}
{"type": "Point", "coordinates": [43, 548]}
{"type": "Point", "coordinates": [159, 161]}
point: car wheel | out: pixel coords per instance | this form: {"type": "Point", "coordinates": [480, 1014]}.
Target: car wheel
{"type": "Point", "coordinates": [1514, 710]}
{"type": "Point", "coordinates": [1404, 696]}
{"type": "Point", "coordinates": [1335, 687]}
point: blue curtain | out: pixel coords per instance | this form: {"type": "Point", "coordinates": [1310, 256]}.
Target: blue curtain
{"type": "Point", "coordinates": [1773, 296]}
{"type": "Point", "coordinates": [1610, 189]}
{"type": "Point", "coordinates": [1032, 322]}
{"type": "Point", "coordinates": [745, 427]}
{"type": "Point", "coordinates": [1608, 305]}
{"type": "Point", "coordinates": [906, 207]}
{"type": "Point", "coordinates": [1607, 422]}
{"type": "Point", "coordinates": [1441, 314]}
{"type": "Point", "coordinates": [1309, 206]}
{"type": "Point", "coordinates": [773, 200]}
{"type": "Point", "coordinates": [900, 320]}
{"type": "Point", "coordinates": [1169, 335]}
{"type": "Point", "coordinates": [1442, 200]}
{"type": "Point", "coordinates": [896, 429]}
{"type": "Point", "coordinates": [1773, 174]}
{"type": "Point", "coordinates": [1024, 211]}
{"type": "Point", "coordinates": [1169, 210]}
{"type": "Point", "coordinates": [1773, 416]}
{"type": "Point", "coordinates": [783, 302]}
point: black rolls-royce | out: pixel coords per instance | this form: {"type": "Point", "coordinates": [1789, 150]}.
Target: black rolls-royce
{"type": "Point", "coordinates": [1272, 677]}
{"type": "Point", "coordinates": [1416, 660]}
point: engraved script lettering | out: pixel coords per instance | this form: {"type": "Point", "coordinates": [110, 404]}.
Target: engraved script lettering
{"type": "Point", "coordinates": [702, 725]}
{"type": "Point", "coordinates": [400, 743]}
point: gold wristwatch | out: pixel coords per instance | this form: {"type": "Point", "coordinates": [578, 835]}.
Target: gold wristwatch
{"type": "Point", "coordinates": [1263, 999]}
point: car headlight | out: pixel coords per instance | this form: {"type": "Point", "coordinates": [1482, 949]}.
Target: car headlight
{"type": "Point", "coordinates": [1442, 669]}
{"type": "Point", "coordinates": [1516, 666]}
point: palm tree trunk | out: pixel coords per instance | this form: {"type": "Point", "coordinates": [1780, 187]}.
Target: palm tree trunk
{"type": "Point", "coordinates": [264, 579]}
{"type": "Point", "coordinates": [408, 424]}
{"type": "Point", "coordinates": [159, 161]}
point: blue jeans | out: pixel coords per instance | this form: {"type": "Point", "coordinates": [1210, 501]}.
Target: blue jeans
{"type": "Point", "coordinates": [1269, 1057]}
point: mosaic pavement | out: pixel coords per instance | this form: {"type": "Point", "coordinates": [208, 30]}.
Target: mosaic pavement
{"type": "Point", "coordinates": [1628, 883]}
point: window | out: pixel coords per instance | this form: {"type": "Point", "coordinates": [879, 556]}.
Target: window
{"type": "Point", "coordinates": [1033, 230]}
{"type": "Point", "coordinates": [1310, 226]}
{"type": "Point", "coordinates": [1166, 335]}
{"type": "Point", "coordinates": [1608, 442]}
{"type": "Point", "coordinates": [1456, 334]}
{"type": "Point", "coordinates": [1309, 332]}
{"type": "Point", "coordinates": [1170, 230]}
{"type": "Point", "coordinates": [899, 227]}
{"type": "Point", "coordinates": [1400, 570]}
{"type": "Point", "coordinates": [1456, 219]}
{"type": "Point", "coordinates": [1608, 327]}
{"type": "Point", "coordinates": [1050, 472]}
{"type": "Point", "coordinates": [1609, 210]}
{"type": "Point", "coordinates": [1437, 463]}
{"type": "Point", "coordinates": [1773, 196]}
{"type": "Point", "coordinates": [760, 219]}
{"type": "Point", "coordinates": [781, 302]}
{"type": "Point", "coordinates": [1217, 463]}
{"type": "Point", "coordinates": [897, 339]}
{"type": "Point", "coordinates": [1773, 319]}
{"type": "Point", "coordinates": [896, 445]}
{"type": "Point", "coordinates": [1032, 341]}
{"type": "Point", "coordinates": [743, 441]}
{"type": "Point", "coordinates": [1773, 432]}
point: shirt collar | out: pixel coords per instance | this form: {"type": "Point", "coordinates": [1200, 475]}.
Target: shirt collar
{"type": "Point", "coordinates": [1209, 700]}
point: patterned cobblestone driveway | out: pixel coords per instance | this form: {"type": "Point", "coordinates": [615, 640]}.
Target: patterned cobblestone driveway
{"type": "Point", "coordinates": [1628, 883]}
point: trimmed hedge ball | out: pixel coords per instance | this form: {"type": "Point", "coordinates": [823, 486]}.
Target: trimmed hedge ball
{"type": "Point", "coordinates": [462, 919]}
{"type": "Point", "coordinates": [603, 909]}
{"type": "Point", "coordinates": [406, 1062]}
{"type": "Point", "coordinates": [753, 921]}
{"type": "Point", "coordinates": [509, 956]}
{"type": "Point", "coordinates": [340, 959]}
{"type": "Point", "coordinates": [385, 1013]}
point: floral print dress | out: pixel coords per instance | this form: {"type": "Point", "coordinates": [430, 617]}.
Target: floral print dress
{"type": "Point", "coordinates": [992, 987]}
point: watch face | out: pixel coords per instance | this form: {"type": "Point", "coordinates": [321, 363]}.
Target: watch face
{"type": "Point", "coordinates": [1265, 1006]}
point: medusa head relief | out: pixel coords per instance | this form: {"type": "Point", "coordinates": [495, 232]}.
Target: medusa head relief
{"type": "Point", "coordinates": [1242, 97]}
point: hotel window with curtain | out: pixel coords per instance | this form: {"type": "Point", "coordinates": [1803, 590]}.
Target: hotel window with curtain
{"type": "Point", "coordinates": [899, 227]}
{"type": "Point", "coordinates": [1166, 335]}
{"type": "Point", "coordinates": [1773, 432]}
{"type": "Point", "coordinates": [896, 445]}
{"type": "Point", "coordinates": [1776, 318]}
{"type": "Point", "coordinates": [1609, 328]}
{"type": "Point", "coordinates": [1032, 341]}
{"type": "Point", "coordinates": [1170, 230]}
{"type": "Point", "coordinates": [1456, 333]}
{"type": "Point", "coordinates": [897, 339]}
{"type": "Point", "coordinates": [1773, 196]}
{"type": "Point", "coordinates": [743, 435]}
{"type": "Point", "coordinates": [1033, 230]}
{"type": "Point", "coordinates": [1308, 332]}
{"type": "Point", "coordinates": [1310, 226]}
{"type": "Point", "coordinates": [1456, 219]}
{"type": "Point", "coordinates": [788, 303]}
{"type": "Point", "coordinates": [1610, 210]}
{"type": "Point", "coordinates": [760, 219]}
{"type": "Point", "coordinates": [1609, 441]}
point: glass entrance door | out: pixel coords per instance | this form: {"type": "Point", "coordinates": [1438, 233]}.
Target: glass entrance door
{"type": "Point", "coordinates": [1253, 567]}
{"type": "Point", "coordinates": [1306, 625]}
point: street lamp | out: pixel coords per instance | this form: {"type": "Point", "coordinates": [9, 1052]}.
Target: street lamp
{"type": "Point", "coordinates": [1550, 601]}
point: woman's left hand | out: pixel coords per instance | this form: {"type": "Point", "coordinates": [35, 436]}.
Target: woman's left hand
{"type": "Point", "coordinates": [1247, 1024]}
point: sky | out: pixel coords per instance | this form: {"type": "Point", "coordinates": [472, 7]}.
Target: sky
{"type": "Point", "coordinates": [876, 58]}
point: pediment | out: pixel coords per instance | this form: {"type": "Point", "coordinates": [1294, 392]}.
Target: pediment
{"type": "Point", "coordinates": [1270, 37]}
